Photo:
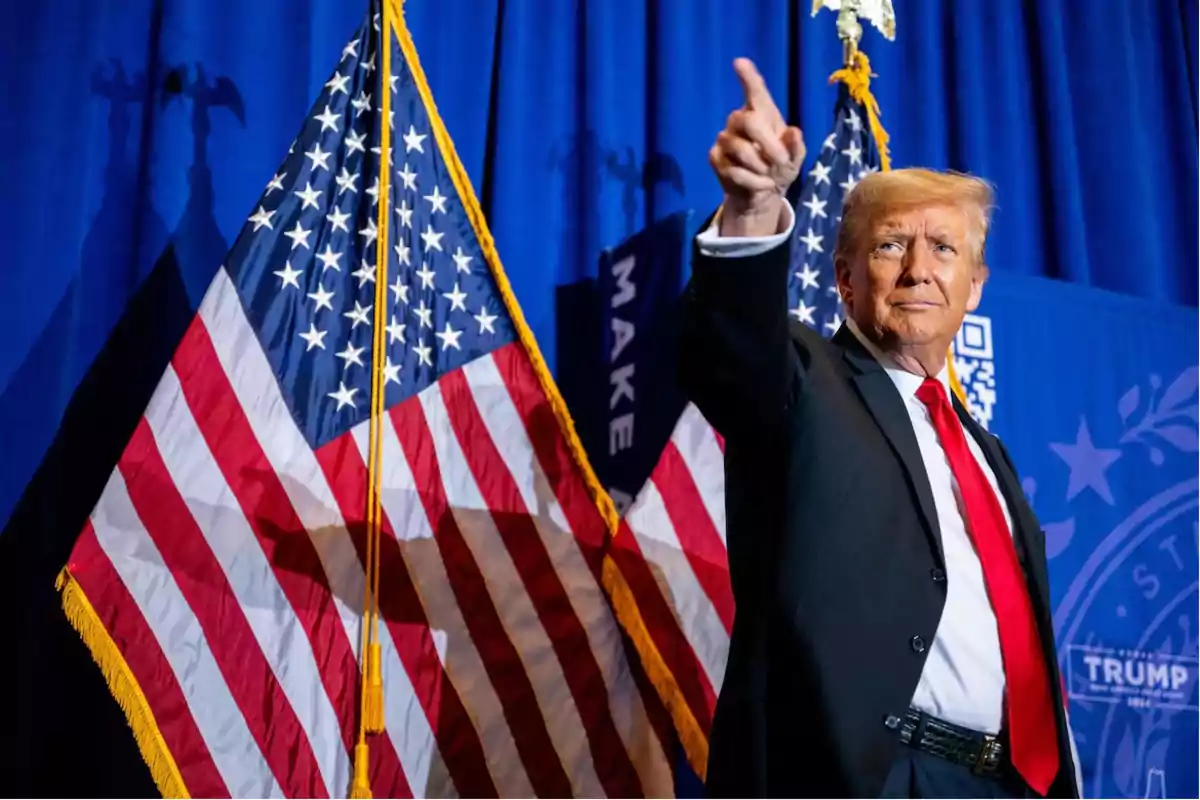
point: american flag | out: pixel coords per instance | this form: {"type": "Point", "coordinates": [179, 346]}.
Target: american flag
{"type": "Point", "coordinates": [219, 581]}
{"type": "Point", "coordinates": [669, 576]}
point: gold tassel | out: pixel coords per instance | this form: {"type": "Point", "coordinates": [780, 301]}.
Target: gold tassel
{"type": "Point", "coordinates": [374, 710]}
{"type": "Point", "coordinates": [361, 787]}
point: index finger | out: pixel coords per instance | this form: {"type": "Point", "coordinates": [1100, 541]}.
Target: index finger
{"type": "Point", "coordinates": [754, 86]}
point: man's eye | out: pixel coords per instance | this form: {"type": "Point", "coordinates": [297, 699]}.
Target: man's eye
{"type": "Point", "coordinates": [945, 248]}
{"type": "Point", "coordinates": [888, 247]}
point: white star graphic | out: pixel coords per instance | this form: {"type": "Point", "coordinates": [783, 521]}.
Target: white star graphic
{"type": "Point", "coordinates": [314, 337]}
{"type": "Point", "coordinates": [369, 64]}
{"type": "Point", "coordinates": [328, 119]}
{"type": "Point", "coordinates": [425, 314]}
{"type": "Point", "coordinates": [409, 177]}
{"type": "Point", "coordinates": [323, 297]}
{"type": "Point", "coordinates": [804, 312]}
{"type": "Point", "coordinates": [485, 321]}
{"type": "Point", "coordinates": [437, 200]}
{"type": "Point", "coordinates": [830, 142]}
{"type": "Point", "coordinates": [834, 323]}
{"type": "Point", "coordinates": [395, 331]}
{"type": "Point", "coordinates": [412, 140]}
{"type": "Point", "coordinates": [345, 181]}
{"type": "Point", "coordinates": [299, 236]}
{"type": "Point", "coordinates": [344, 396]}
{"type": "Point", "coordinates": [403, 252]}
{"type": "Point", "coordinates": [375, 150]}
{"type": "Point", "coordinates": [400, 289]}
{"type": "Point", "coordinates": [361, 103]}
{"type": "Point", "coordinates": [391, 372]}
{"type": "Point", "coordinates": [351, 355]}
{"type": "Point", "coordinates": [809, 277]}
{"type": "Point", "coordinates": [812, 241]}
{"type": "Point", "coordinates": [855, 153]}
{"type": "Point", "coordinates": [318, 157]}
{"type": "Point", "coordinates": [276, 183]}
{"type": "Point", "coordinates": [337, 84]}
{"type": "Point", "coordinates": [337, 218]}
{"type": "Point", "coordinates": [405, 213]}
{"type": "Point", "coordinates": [816, 207]}
{"type": "Point", "coordinates": [392, 80]}
{"type": "Point", "coordinates": [432, 239]}
{"type": "Point", "coordinates": [820, 173]}
{"type": "Point", "coordinates": [449, 337]}
{"type": "Point", "coordinates": [358, 314]}
{"type": "Point", "coordinates": [365, 274]}
{"type": "Point", "coordinates": [456, 298]}
{"type": "Point", "coordinates": [330, 259]}
{"type": "Point", "coordinates": [289, 276]}
{"type": "Point", "coordinates": [462, 261]}
{"type": "Point", "coordinates": [262, 218]}
{"type": "Point", "coordinates": [854, 120]}
{"type": "Point", "coordinates": [374, 191]}
{"type": "Point", "coordinates": [350, 49]}
{"type": "Point", "coordinates": [426, 276]}
{"type": "Point", "coordinates": [355, 141]}
{"type": "Point", "coordinates": [849, 183]}
{"type": "Point", "coordinates": [309, 196]}
{"type": "Point", "coordinates": [423, 352]}
{"type": "Point", "coordinates": [370, 233]}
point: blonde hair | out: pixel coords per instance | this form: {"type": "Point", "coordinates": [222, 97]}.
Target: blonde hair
{"type": "Point", "coordinates": [881, 192]}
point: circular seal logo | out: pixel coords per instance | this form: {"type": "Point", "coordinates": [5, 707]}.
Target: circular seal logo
{"type": "Point", "coordinates": [1126, 626]}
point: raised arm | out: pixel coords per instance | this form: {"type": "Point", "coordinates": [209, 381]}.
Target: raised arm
{"type": "Point", "coordinates": [736, 362]}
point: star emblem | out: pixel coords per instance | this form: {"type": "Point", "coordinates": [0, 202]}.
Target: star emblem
{"type": "Point", "coordinates": [359, 315]}
{"type": "Point", "coordinates": [323, 298]}
{"type": "Point", "coordinates": [449, 337]}
{"type": "Point", "coordinates": [330, 259]}
{"type": "Point", "coordinates": [314, 337]}
{"type": "Point", "coordinates": [413, 140]}
{"type": "Point", "coordinates": [299, 236]}
{"type": "Point", "coordinates": [432, 239]}
{"type": "Point", "coordinates": [328, 119]}
{"type": "Point", "coordinates": [262, 218]}
{"type": "Point", "coordinates": [1088, 464]}
{"type": "Point", "coordinates": [456, 298]}
{"type": "Point", "coordinates": [462, 261]}
{"type": "Point", "coordinates": [289, 276]}
{"type": "Point", "coordinates": [337, 84]}
{"type": "Point", "coordinates": [343, 395]}
{"type": "Point", "coordinates": [485, 321]}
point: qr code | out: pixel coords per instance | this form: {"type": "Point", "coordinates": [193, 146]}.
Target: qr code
{"type": "Point", "coordinates": [975, 367]}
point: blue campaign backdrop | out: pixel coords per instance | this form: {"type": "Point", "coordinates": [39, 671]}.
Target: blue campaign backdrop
{"type": "Point", "coordinates": [136, 136]}
{"type": "Point", "coordinates": [1095, 396]}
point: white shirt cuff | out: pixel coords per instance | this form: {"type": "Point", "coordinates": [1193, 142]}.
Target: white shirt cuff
{"type": "Point", "coordinates": [712, 243]}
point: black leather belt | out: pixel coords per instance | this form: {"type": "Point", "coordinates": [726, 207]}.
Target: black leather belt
{"type": "Point", "coordinates": [984, 753]}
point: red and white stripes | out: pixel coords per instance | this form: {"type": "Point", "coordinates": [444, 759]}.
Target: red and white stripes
{"type": "Point", "coordinates": [225, 561]}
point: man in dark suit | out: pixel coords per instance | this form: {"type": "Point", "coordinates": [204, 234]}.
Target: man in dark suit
{"type": "Point", "coordinates": [893, 633]}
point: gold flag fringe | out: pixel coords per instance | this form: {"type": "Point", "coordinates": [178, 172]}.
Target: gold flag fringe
{"type": "Point", "coordinates": [123, 686]}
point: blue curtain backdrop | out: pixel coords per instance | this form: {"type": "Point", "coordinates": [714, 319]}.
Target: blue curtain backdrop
{"type": "Point", "coordinates": [135, 136]}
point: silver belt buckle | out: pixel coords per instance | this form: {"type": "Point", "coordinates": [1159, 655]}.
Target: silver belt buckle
{"type": "Point", "coordinates": [989, 756]}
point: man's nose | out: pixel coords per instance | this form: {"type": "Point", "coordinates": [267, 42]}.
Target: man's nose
{"type": "Point", "coordinates": [918, 264]}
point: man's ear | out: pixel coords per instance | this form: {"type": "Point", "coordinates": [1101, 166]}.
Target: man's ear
{"type": "Point", "coordinates": [979, 277]}
{"type": "Point", "coordinates": [841, 275]}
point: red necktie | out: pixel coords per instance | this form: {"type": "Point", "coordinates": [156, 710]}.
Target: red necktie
{"type": "Point", "coordinates": [1033, 739]}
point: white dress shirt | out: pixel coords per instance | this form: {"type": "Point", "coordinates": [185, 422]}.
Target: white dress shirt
{"type": "Point", "coordinates": [963, 679]}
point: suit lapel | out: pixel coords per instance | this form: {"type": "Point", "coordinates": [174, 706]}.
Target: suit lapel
{"type": "Point", "coordinates": [882, 399]}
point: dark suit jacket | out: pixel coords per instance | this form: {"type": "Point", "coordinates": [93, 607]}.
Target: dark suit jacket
{"type": "Point", "coordinates": [834, 550]}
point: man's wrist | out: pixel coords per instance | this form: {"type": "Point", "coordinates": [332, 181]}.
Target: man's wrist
{"type": "Point", "coordinates": [766, 219]}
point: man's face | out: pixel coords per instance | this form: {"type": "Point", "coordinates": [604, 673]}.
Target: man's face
{"type": "Point", "coordinates": [913, 278]}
